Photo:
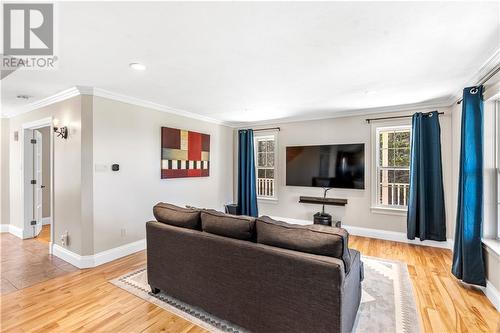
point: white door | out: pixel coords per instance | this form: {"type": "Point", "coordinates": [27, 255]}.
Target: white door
{"type": "Point", "coordinates": [37, 176]}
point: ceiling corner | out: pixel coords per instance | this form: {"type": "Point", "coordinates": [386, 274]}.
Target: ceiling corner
{"type": "Point", "coordinates": [85, 90]}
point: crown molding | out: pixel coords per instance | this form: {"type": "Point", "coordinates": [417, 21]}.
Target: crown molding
{"type": "Point", "coordinates": [58, 97]}
{"type": "Point", "coordinates": [155, 106]}
{"type": "Point", "coordinates": [84, 90]}
{"type": "Point", "coordinates": [91, 91]}
{"type": "Point", "coordinates": [427, 106]}
{"type": "Point", "coordinates": [488, 66]}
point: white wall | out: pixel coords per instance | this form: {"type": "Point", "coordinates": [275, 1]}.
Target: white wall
{"type": "Point", "coordinates": [94, 206]}
{"type": "Point", "coordinates": [357, 212]}
{"type": "Point", "coordinates": [130, 136]}
{"type": "Point", "coordinates": [67, 178]}
{"type": "Point", "coordinates": [4, 171]}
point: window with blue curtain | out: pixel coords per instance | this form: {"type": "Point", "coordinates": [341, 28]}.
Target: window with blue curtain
{"type": "Point", "coordinates": [247, 189]}
{"type": "Point", "coordinates": [426, 217]}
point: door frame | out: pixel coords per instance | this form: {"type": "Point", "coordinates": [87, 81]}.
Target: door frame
{"type": "Point", "coordinates": [33, 125]}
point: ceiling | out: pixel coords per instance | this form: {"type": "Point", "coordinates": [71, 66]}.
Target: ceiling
{"type": "Point", "coordinates": [242, 62]}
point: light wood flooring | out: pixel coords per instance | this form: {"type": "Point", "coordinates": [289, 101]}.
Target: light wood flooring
{"type": "Point", "coordinates": [44, 235]}
{"type": "Point", "coordinates": [24, 263]}
{"type": "Point", "coordinates": [85, 301]}
{"type": "Point", "coordinates": [445, 304]}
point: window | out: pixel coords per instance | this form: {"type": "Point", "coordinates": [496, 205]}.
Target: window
{"type": "Point", "coordinates": [265, 155]}
{"type": "Point", "coordinates": [392, 166]}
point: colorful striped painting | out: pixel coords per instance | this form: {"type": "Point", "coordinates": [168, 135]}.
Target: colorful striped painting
{"type": "Point", "coordinates": [184, 153]}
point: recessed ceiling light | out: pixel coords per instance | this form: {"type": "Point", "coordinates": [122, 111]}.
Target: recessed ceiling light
{"type": "Point", "coordinates": [137, 66]}
{"type": "Point", "coordinates": [26, 97]}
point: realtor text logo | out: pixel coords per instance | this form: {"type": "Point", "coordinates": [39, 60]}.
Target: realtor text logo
{"type": "Point", "coordinates": [28, 29]}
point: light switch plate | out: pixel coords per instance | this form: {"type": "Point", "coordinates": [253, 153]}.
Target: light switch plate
{"type": "Point", "coordinates": [101, 168]}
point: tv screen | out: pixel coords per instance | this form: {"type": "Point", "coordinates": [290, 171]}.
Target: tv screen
{"type": "Point", "coordinates": [338, 166]}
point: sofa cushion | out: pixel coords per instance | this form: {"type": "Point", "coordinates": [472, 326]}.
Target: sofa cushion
{"type": "Point", "coordinates": [177, 216]}
{"type": "Point", "coordinates": [233, 226]}
{"type": "Point", "coordinates": [315, 239]}
{"type": "Point", "coordinates": [203, 209]}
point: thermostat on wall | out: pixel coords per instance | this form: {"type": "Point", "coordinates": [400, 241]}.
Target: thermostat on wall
{"type": "Point", "coordinates": [115, 167]}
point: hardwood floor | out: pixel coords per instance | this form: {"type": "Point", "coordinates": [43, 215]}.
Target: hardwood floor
{"type": "Point", "coordinates": [44, 235]}
{"type": "Point", "coordinates": [445, 304]}
{"type": "Point", "coordinates": [85, 301]}
{"type": "Point", "coordinates": [24, 263]}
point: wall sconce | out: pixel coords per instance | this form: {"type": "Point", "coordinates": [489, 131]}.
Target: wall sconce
{"type": "Point", "coordinates": [61, 131]}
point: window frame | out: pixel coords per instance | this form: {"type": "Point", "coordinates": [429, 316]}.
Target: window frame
{"type": "Point", "coordinates": [267, 135]}
{"type": "Point", "coordinates": [497, 163]}
{"type": "Point", "coordinates": [376, 129]}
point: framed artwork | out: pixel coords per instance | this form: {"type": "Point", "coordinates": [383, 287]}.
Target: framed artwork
{"type": "Point", "coordinates": [184, 153]}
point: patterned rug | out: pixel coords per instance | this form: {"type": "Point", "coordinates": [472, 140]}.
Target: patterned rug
{"type": "Point", "coordinates": [387, 301]}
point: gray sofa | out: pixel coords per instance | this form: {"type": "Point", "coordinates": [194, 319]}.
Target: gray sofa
{"type": "Point", "coordinates": [261, 274]}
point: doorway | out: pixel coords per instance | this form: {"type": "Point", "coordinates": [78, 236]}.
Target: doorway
{"type": "Point", "coordinates": [38, 181]}
{"type": "Point", "coordinates": [44, 234]}
{"type": "Point", "coordinates": [28, 261]}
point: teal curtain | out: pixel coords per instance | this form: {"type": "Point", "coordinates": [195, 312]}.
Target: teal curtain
{"type": "Point", "coordinates": [247, 189]}
{"type": "Point", "coordinates": [468, 264]}
{"type": "Point", "coordinates": [426, 217]}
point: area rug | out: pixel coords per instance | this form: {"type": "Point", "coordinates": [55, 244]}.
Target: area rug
{"type": "Point", "coordinates": [387, 301]}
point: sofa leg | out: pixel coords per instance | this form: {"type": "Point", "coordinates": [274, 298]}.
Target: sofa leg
{"type": "Point", "coordinates": [155, 290]}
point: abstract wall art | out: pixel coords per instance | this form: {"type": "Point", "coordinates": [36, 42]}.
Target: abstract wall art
{"type": "Point", "coordinates": [184, 153]}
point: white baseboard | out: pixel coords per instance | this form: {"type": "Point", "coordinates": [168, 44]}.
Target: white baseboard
{"type": "Point", "coordinates": [118, 252]}
{"type": "Point", "coordinates": [46, 220]}
{"type": "Point", "coordinates": [71, 257]}
{"type": "Point", "coordinates": [12, 229]}
{"type": "Point", "coordinates": [493, 295]}
{"type": "Point", "coordinates": [395, 236]}
{"type": "Point", "coordinates": [377, 233]}
{"type": "Point", "coordinates": [98, 258]}
{"type": "Point", "coordinates": [16, 231]}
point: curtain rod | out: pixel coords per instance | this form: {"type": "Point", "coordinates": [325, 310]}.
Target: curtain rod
{"type": "Point", "coordinates": [394, 117]}
{"type": "Point", "coordinates": [484, 80]}
{"type": "Point", "coordinates": [267, 129]}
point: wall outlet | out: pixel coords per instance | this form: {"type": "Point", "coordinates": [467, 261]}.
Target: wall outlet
{"type": "Point", "coordinates": [123, 232]}
{"type": "Point", "coordinates": [65, 239]}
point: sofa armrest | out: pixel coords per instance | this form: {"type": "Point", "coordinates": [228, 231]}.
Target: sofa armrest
{"type": "Point", "coordinates": [352, 291]}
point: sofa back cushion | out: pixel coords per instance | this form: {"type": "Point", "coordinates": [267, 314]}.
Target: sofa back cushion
{"type": "Point", "coordinates": [233, 226]}
{"type": "Point", "coordinates": [177, 216]}
{"type": "Point", "coordinates": [203, 209]}
{"type": "Point", "coordinates": [314, 239]}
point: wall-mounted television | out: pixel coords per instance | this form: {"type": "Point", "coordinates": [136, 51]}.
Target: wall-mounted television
{"type": "Point", "coordinates": [336, 166]}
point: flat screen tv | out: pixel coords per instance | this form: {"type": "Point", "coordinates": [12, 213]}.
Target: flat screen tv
{"type": "Point", "coordinates": [337, 166]}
